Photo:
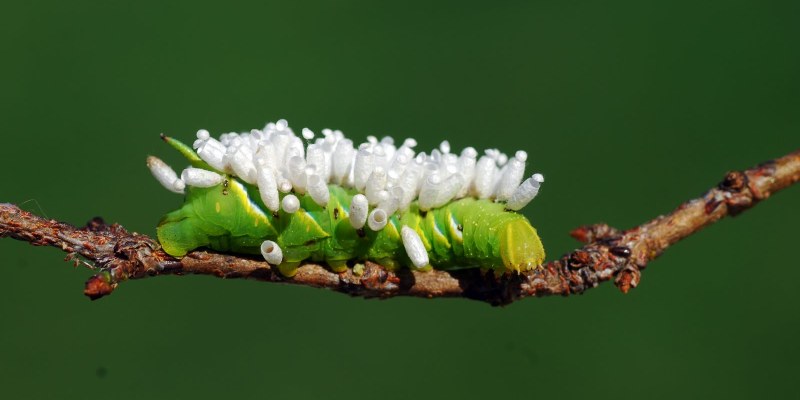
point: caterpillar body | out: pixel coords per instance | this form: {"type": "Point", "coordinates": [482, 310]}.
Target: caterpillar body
{"type": "Point", "coordinates": [264, 192]}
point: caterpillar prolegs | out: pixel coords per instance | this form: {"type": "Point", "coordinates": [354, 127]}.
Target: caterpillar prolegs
{"type": "Point", "coordinates": [264, 192]}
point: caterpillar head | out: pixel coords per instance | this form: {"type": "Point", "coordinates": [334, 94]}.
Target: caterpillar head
{"type": "Point", "coordinates": [210, 195]}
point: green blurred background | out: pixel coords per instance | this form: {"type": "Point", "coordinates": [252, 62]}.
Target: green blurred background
{"type": "Point", "coordinates": [628, 108]}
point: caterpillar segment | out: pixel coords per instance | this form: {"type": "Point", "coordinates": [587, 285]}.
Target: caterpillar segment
{"type": "Point", "coordinates": [264, 193]}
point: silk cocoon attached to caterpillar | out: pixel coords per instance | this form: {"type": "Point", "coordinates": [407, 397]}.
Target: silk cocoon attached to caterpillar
{"type": "Point", "coordinates": [267, 192]}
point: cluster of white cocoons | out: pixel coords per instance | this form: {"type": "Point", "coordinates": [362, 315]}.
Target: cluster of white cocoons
{"type": "Point", "coordinates": [388, 177]}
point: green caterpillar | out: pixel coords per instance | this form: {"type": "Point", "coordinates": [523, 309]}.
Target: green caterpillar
{"type": "Point", "coordinates": [289, 211]}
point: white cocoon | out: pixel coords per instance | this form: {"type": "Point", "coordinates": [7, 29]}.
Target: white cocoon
{"type": "Point", "coordinates": [318, 190]}
{"type": "Point", "coordinates": [375, 183]}
{"type": "Point", "coordinates": [271, 252]}
{"type": "Point", "coordinates": [203, 134]}
{"type": "Point", "coordinates": [316, 156]}
{"type": "Point", "coordinates": [414, 247]}
{"type": "Point", "coordinates": [359, 207]}
{"type": "Point", "coordinates": [448, 189]}
{"type": "Point", "coordinates": [509, 181]}
{"type": "Point", "coordinates": [290, 203]}
{"type": "Point", "coordinates": [284, 186]}
{"type": "Point", "coordinates": [165, 175]}
{"type": "Point", "coordinates": [445, 147]}
{"type": "Point", "coordinates": [377, 219]}
{"type": "Point", "coordinates": [297, 173]}
{"type": "Point", "coordinates": [213, 153]}
{"type": "Point", "coordinates": [484, 177]}
{"type": "Point", "coordinates": [525, 192]}
{"type": "Point", "coordinates": [241, 161]}
{"type": "Point", "coordinates": [179, 185]}
{"type": "Point", "coordinates": [410, 181]}
{"type": "Point", "coordinates": [265, 156]}
{"type": "Point", "coordinates": [363, 167]}
{"type": "Point", "coordinates": [200, 177]}
{"type": "Point", "coordinates": [429, 193]}
{"type": "Point", "coordinates": [466, 167]}
{"type": "Point", "coordinates": [392, 202]}
{"type": "Point", "coordinates": [342, 160]}
{"type": "Point", "coordinates": [268, 188]}
{"type": "Point", "coordinates": [379, 156]}
{"type": "Point", "coordinates": [280, 142]}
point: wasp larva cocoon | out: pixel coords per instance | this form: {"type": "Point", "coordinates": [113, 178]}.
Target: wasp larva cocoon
{"type": "Point", "coordinates": [308, 134]}
{"type": "Point", "coordinates": [199, 177]}
{"type": "Point", "coordinates": [510, 179]}
{"type": "Point", "coordinates": [414, 247]}
{"type": "Point", "coordinates": [363, 166]}
{"type": "Point", "coordinates": [359, 208]}
{"type": "Point", "coordinates": [526, 192]}
{"type": "Point", "coordinates": [290, 204]}
{"type": "Point", "coordinates": [342, 160]}
{"type": "Point", "coordinates": [164, 174]}
{"type": "Point", "coordinates": [297, 174]}
{"type": "Point", "coordinates": [272, 252]}
{"type": "Point", "coordinates": [318, 190]}
{"type": "Point", "coordinates": [448, 190]}
{"type": "Point", "coordinates": [375, 184]}
{"type": "Point", "coordinates": [377, 219]}
{"type": "Point", "coordinates": [444, 147]}
{"type": "Point", "coordinates": [429, 193]}
{"type": "Point", "coordinates": [484, 177]}
{"type": "Point", "coordinates": [268, 188]}
{"type": "Point", "coordinates": [213, 152]}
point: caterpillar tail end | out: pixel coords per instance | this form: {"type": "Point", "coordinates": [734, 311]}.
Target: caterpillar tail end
{"type": "Point", "coordinates": [390, 264]}
{"type": "Point", "coordinates": [424, 268]}
{"type": "Point", "coordinates": [521, 248]}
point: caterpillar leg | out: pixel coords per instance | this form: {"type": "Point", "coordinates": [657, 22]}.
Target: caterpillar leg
{"type": "Point", "coordinates": [337, 266]}
{"type": "Point", "coordinates": [390, 263]}
{"type": "Point", "coordinates": [288, 268]}
{"type": "Point", "coordinates": [178, 233]}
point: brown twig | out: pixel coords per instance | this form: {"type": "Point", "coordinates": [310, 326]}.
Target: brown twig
{"type": "Point", "coordinates": [119, 255]}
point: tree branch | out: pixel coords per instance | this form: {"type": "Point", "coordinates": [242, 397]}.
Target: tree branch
{"type": "Point", "coordinates": [118, 255]}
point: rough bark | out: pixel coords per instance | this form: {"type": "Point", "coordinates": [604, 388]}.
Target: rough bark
{"type": "Point", "coordinates": [118, 255]}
